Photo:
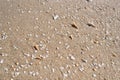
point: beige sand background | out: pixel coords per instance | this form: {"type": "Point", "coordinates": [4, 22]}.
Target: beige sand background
{"type": "Point", "coordinates": [59, 39]}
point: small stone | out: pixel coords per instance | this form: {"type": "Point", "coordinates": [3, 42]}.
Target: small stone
{"type": "Point", "coordinates": [89, 0]}
{"type": "Point", "coordinates": [37, 73]}
{"type": "Point", "coordinates": [11, 79]}
{"type": "Point", "coordinates": [81, 68]}
{"type": "Point", "coordinates": [91, 25]}
{"type": "Point", "coordinates": [15, 47]}
{"type": "Point", "coordinates": [55, 17]}
{"type": "Point", "coordinates": [16, 63]}
{"type": "Point", "coordinates": [94, 75]}
{"type": "Point", "coordinates": [71, 37]}
{"type": "Point", "coordinates": [4, 36]}
{"type": "Point", "coordinates": [84, 60]}
{"type": "Point", "coordinates": [0, 47]}
{"type": "Point", "coordinates": [30, 73]}
{"type": "Point", "coordinates": [39, 58]}
{"type": "Point", "coordinates": [62, 68]}
{"type": "Point", "coordinates": [114, 54]}
{"type": "Point", "coordinates": [60, 42]}
{"type": "Point", "coordinates": [57, 48]}
{"type": "Point", "coordinates": [76, 64]}
{"type": "Point", "coordinates": [6, 69]}
{"type": "Point", "coordinates": [53, 70]}
{"type": "Point", "coordinates": [74, 25]}
{"type": "Point", "coordinates": [36, 18]}
{"type": "Point", "coordinates": [94, 69]}
{"type": "Point", "coordinates": [96, 42]}
{"type": "Point", "coordinates": [1, 61]}
{"type": "Point", "coordinates": [36, 47]}
{"type": "Point", "coordinates": [16, 74]}
{"type": "Point", "coordinates": [65, 75]}
{"type": "Point", "coordinates": [71, 57]}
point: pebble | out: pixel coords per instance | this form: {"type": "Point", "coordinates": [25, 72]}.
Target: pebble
{"type": "Point", "coordinates": [74, 25]}
{"type": "Point", "coordinates": [39, 58]}
{"type": "Point", "coordinates": [53, 70]}
{"type": "Point", "coordinates": [96, 42]}
{"type": "Point", "coordinates": [81, 69]}
{"type": "Point", "coordinates": [1, 61]}
{"type": "Point", "coordinates": [71, 57]}
{"type": "Point", "coordinates": [114, 54]}
{"type": "Point", "coordinates": [3, 54]}
{"type": "Point", "coordinates": [94, 75]}
{"type": "Point", "coordinates": [17, 73]}
{"type": "Point", "coordinates": [4, 36]}
{"type": "Point", "coordinates": [57, 48]}
{"type": "Point", "coordinates": [89, 0]}
{"type": "Point", "coordinates": [84, 60]}
{"type": "Point", "coordinates": [15, 47]}
{"type": "Point", "coordinates": [65, 75]}
{"type": "Point", "coordinates": [36, 47]}
{"type": "Point", "coordinates": [55, 17]}
{"type": "Point", "coordinates": [26, 54]}
{"type": "Point", "coordinates": [0, 47]}
{"type": "Point", "coordinates": [11, 79]}
{"type": "Point", "coordinates": [6, 69]}
{"type": "Point", "coordinates": [91, 25]}
{"type": "Point", "coordinates": [60, 42]}
{"type": "Point", "coordinates": [71, 37]}
{"type": "Point", "coordinates": [94, 69]}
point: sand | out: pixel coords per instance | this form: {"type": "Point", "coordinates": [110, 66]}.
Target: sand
{"type": "Point", "coordinates": [59, 40]}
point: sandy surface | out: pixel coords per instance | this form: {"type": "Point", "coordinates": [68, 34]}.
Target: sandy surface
{"type": "Point", "coordinates": [59, 39]}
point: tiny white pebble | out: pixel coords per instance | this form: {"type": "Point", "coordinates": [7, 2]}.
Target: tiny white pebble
{"type": "Point", "coordinates": [11, 79]}
{"type": "Point", "coordinates": [45, 67]}
{"type": "Point", "coordinates": [94, 75]}
{"type": "Point", "coordinates": [67, 46]}
{"type": "Point", "coordinates": [29, 11]}
{"type": "Point", "coordinates": [55, 17]}
{"type": "Point", "coordinates": [30, 73]}
{"type": "Point", "coordinates": [6, 69]}
{"type": "Point", "coordinates": [15, 47]}
{"type": "Point", "coordinates": [37, 73]}
{"type": "Point", "coordinates": [33, 74]}
{"type": "Point", "coordinates": [27, 55]}
{"type": "Point", "coordinates": [1, 61]}
{"type": "Point", "coordinates": [65, 75]}
{"type": "Point", "coordinates": [35, 51]}
{"type": "Point", "coordinates": [10, 29]}
{"type": "Point", "coordinates": [36, 18]}
{"type": "Point", "coordinates": [61, 68]}
{"type": "Point", "coordinates": [84, 60]}
{"type": "Point", "coordinates": [36, 36]}
{"type": "Point", "coordinates": [59, 42]}
{"type": "Point", "coordinates": [53, 70]}
{"type": "Point", "coordinates": [4, 36]}
{"type": "Point", "coordinates": [57, 48]}
{"type": "Point", "coordinates": [81, 68]}
{"type": "Point", "coordinates": [24, 72]}
{"type": "Point", "coordinates": [22, 12]}
{"type": "Point", "coordinates": [16, 73]}
{"type": "Point", "coordinates": [0, 47]}
{"type": "Point", "coordinates": [71, 57]}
